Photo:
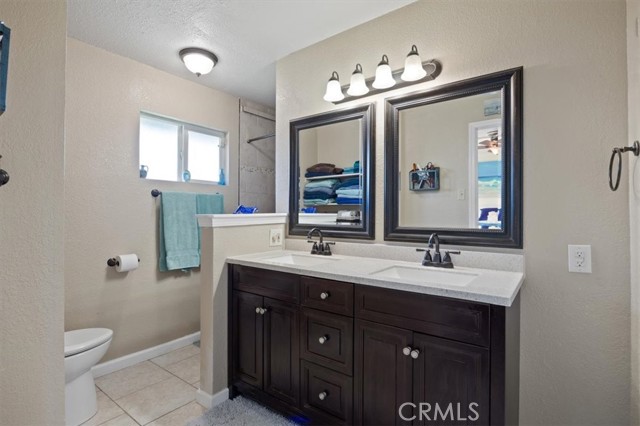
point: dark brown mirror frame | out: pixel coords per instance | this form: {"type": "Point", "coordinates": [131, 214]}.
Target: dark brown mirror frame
{"type": "Point", "coordinates": [366, 229]}
{"type": "Point", "coordinates": [509, 82]}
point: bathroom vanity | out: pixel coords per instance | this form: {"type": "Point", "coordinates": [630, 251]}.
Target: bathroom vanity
{"type": "Point", "coordinates": [348, 340]}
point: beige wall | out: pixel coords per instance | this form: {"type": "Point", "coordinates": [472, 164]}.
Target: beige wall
{"type": "Point", "coordinates": [633, 66]}
{"type": "Point", "coordinates": [109, 209]}
{"type": "Point", "coordinates": [31, 218]}
{"type": "Point", "coordinates": [575, 327]}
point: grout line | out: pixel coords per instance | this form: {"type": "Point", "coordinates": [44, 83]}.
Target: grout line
{"type": "Point", "coordinates": [117, 405]}
{"type": "Point", "coordinates": [166, 414]}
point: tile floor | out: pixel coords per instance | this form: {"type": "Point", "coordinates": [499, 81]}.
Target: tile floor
{"type": "Point", "coordinates": [158, 392]}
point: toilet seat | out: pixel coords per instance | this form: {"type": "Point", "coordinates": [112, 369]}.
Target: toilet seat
{"type": "Point", "coordinates": [78, 341]}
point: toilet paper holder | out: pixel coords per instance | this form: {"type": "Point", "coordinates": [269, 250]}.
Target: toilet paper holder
{"type": "Point", "coordinates": [114, 262]}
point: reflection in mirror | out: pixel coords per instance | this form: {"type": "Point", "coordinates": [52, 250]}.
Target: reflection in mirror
{"type": "Point", "coordinates": [460, 139]}
{"type": "Point", "coordinates": [453, 163]}
{"type": "Point", "coordinates": [331, 189]}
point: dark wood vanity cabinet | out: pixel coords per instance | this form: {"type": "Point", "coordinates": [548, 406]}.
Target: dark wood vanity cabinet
{"type": "Point", "coordinates": [329, 352]}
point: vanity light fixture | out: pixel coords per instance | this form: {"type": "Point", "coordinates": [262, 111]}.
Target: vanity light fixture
{"type": "Point", "coordinates": [413, 69]}
{"type": "Point", "coordinates": [384, 78]}
{"type": "Point", "coordinates": [198, 61]}
{"type": "Point", "coordinates": [358, 86]}
{"type": "Point", "coordinates": [334, 91]}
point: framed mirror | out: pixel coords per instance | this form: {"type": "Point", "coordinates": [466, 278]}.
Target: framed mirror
{"type": "Point", "coordinates": [332, 173]}
{"type": "Point", "coordinates": [453, 163]}
{"type": "Point", "coordinates": [5, 37]}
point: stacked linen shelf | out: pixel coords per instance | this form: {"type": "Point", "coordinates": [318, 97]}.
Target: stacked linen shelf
{"type": "Point", "coordinates": [320, 192]}
{"type": "Point", "coordinates": [349, 191]}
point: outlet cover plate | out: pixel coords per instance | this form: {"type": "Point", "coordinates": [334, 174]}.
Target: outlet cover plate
{"type": "Point", "coordinates": [275, 237]}
{"type": "Point", "coordinates": [580, 258]}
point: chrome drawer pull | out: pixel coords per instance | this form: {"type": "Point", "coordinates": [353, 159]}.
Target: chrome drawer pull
{"type": "Point", "coordinates": [323, 395]}
{"type": "Point", "coordinates": [407, 351]}
{"type": "Point", "coordinates": [323, 339]}
{"type": "Point", "coordinates": [324, 295]}
{"type": "Point", "coordinates": [415, 354]}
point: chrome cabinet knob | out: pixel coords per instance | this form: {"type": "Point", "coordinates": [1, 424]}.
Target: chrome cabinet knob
{"type": "Point", "coordinates": [258, 309]}
{"type": "Point", "coordinates": [261, 311]}
{"type": "Point", "coordinates": [407, 351]}
{"type": "Point", "coordinates": [324, 295]}
{"type": "Point", "coordinates": [323, 395]}
{"type": "Point", "coordinates": [323, 339]}
{"type": "Point", "coordinates": [415, 354]}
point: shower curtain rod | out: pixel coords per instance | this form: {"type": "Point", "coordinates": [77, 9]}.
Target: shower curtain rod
{"type": "Point", "coordinates": [270, 135]}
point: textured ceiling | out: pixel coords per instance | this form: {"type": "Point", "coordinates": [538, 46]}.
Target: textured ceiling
{"type": "Point", "coordinates": [248, 36]}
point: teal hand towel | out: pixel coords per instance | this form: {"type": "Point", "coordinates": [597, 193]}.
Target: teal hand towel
{"type": "Point", "coordinates": [179, 233]}
{"type": "Point", "coordinates": [209, 203]}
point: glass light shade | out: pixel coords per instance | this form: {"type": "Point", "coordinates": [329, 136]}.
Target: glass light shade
{"type": "Point", "coordinates": [358, 86]}
{"type": "Point", "coordinates": [413, 69]}
{"type": "Point", "coordinates": [384, 78]}
{"type": "Point", "coordinates": [334, 91]}
{"type": "Point", "coordinates": [198, 61]}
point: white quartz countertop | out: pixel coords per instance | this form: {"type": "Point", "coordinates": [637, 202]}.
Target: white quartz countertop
{"type": "Point", "coordinates": [485, 285]}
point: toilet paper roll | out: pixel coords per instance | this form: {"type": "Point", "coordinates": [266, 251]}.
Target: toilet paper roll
{"type": "Point", "coordinates": [127, 262]}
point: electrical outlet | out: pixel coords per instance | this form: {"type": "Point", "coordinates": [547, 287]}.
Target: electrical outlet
{"type": "Point", "coordinates": [275, 237]}
{"type": "Point", "coordinates": [460, 194]}
{"type": "Point", "coordinates": [580, 259]}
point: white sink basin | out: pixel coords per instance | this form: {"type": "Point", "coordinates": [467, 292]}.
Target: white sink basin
{"type": "Point", "coordinates": [427, 275]}
{"type": "Point", "coordinates": [300, 259]}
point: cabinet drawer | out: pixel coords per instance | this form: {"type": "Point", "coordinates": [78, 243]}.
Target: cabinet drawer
{"type": "Point", "coordinates": [437, 316]}
{"type": "Point", "coordinates": [327, 295]}
{"type": "Point", "coordinates": [277, 285]}
{"type": "Point", "coordinates": [327, 394]}
{"type": "Point", "coordinates": [327, 339]}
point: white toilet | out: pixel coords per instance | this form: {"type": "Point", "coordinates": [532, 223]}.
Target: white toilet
{"type": "Point", "coordinates": [82, 350]}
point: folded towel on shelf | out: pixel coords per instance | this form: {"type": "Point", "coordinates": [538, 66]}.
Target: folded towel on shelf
{"type": "Point", "coordinates": [349, 192]}
{"type": "Point", "coordinates": [348, 182]}
{"type": "Point", "coordinates": [349, 200]}
{"type": "Point", "coordinates": [322, 183]}
{"type": "Point", "coordinates": [317, 195]}
{"type": "Point", "coordinates": [318, 202]}
{"type": "Point", "coordinates": [318, 174]}
{"type": "Point", "coordinates": [320, 167]}
{"type": "Point", "coordinates": [323, 189]}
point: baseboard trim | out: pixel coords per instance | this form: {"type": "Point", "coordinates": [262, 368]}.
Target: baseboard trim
{"type": "Point", "coordinates": [143, 355]}
{"type": "Point", "coordinates": [207, 400]}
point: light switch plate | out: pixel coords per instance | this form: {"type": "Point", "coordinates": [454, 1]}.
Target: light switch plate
{"type": "Point", "coordinates": [275, 237]}
{"type": "Point", "coordinates": [580, 258]}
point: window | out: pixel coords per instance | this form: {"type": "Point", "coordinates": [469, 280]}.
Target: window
{"type": "Point", "coordinates": [180, 152]}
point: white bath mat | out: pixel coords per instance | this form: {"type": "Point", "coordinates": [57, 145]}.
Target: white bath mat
{"type": "Point", "coordinates": [240, 412]}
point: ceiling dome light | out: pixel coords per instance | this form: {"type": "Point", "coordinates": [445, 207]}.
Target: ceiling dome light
{"type": "Point", "coordinates": [198, 61]}
{"type": "Point", "coordinates": [384, 78]}
{"type": "Point", "coordinates": [334, 91]}
{"type": "Point", "coordinates": [358, 86]}
{"type": "Point", "coordinates": [413, 70]}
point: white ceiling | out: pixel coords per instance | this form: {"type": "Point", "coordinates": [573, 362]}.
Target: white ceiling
{"type": "Point", "coordinates": [248, 36]}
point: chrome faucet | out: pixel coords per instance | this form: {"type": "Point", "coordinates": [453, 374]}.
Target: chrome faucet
{"type": "Point", "coordinates": [319, 247]}
{"type": "Point", "coordinates": [437, 261]}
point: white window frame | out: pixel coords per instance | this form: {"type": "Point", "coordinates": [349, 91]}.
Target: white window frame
{"type": "Point", "coordinates": [183, 145]}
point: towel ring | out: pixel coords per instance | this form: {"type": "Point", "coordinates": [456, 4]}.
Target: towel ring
{"type": "Point", "coordinates": [618, 152]}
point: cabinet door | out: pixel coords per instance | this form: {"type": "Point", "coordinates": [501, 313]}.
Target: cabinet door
{"type": "Point", "coordinates": [383, 379]}
{"type": "Point", "coordinates": [449, 376]}
{"type": "Point", "coordinates": [247, 338]}
{"type": "Point", "coordinates": [281, 351]}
